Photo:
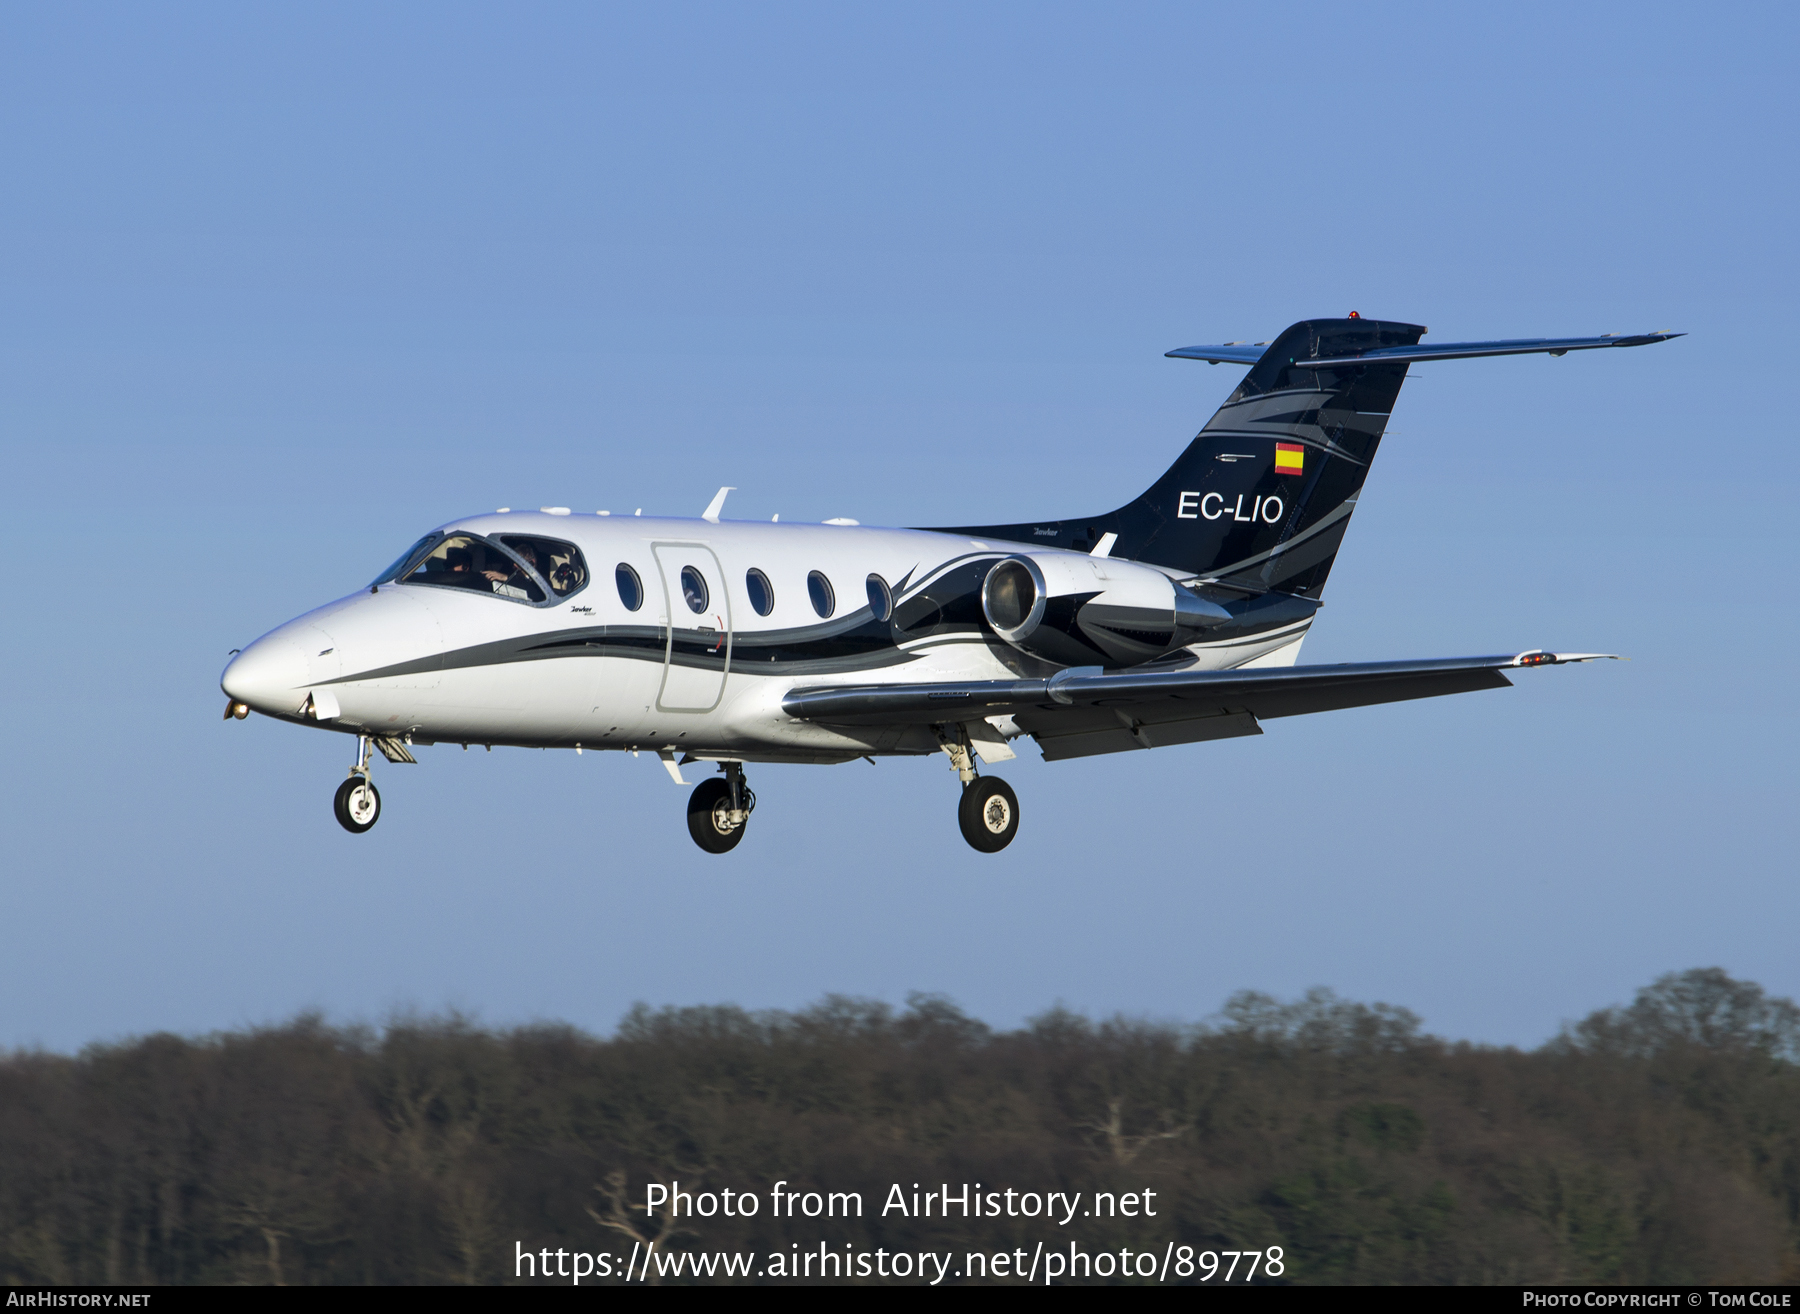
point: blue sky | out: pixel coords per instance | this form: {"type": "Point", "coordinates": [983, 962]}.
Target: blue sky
{"type": "Point", "coordinates": [285, 287]}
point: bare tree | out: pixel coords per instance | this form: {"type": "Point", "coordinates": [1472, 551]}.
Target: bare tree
{"type": "Point", "coordinates": [622, 1216]}
{"type": "Point", "coordinates": [1126, 1148]}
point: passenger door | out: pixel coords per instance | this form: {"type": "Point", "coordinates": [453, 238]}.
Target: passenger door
{"type": "Point", "coordinates": [697, 652]}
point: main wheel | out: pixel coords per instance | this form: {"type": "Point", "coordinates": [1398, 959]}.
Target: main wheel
{"type": "Point", "coordinates": [988, 814]}
{"type": "Point", "coordinates": [709, 818]}
{"type": "Point", "coordinates": [357, 805]}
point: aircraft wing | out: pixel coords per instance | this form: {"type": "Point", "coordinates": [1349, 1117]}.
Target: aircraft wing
{"type": "Point", "coordinates": [1081, 711]}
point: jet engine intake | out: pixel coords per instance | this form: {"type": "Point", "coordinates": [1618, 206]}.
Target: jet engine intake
{"type": "Point", "coordinates": [1069, 609]}
{"type": "Point", "coordinates": [1013, 598]}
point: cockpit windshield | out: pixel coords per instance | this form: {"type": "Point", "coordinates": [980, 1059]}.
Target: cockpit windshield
{"type": "Point", "coordinates": [404, 559]}
{"type": "Point", "coordinates": [464, 561]}
{"type": "Point", "coordinates": [517, 566]}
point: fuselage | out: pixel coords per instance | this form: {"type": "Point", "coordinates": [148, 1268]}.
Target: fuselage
{"type": "Point", "coordinates": [728, 618]}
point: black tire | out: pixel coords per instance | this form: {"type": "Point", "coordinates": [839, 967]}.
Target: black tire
{"type": "Point", "coordinates": [707, 809]}
{"type": "Point", "coordinates": [988, 814]}
{"type": "Point", "coordinates": [348, 810]}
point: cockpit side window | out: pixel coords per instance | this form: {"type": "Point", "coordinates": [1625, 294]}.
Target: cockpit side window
{"type": "Point", "coordinates": [405, 559]}
{"type": "Point", "coordinates": [465, 561]}
{"type": "Point", "coordinates": [558, 564]}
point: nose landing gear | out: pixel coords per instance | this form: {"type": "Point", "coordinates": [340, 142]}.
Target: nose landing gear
{"type": "Point", "coordinates": [719, 810]}
{"type": "Point", "coordinates": [357, 805]}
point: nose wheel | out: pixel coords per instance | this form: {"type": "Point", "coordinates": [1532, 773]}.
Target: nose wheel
{"type": "Point", "coordinates": [718, 811]}
{"type": "Point", "coordinates": [988, 814]}
{"type": "Point", "coordinates": [357, 805]}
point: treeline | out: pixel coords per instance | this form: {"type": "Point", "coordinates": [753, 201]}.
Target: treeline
{"type": "Point", "coordinates": [1654, 1143]}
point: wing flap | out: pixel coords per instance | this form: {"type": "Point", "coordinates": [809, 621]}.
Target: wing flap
{"type": "Point", "coordinates": [1304, 698]}
{"type": "Point", "coordinates": [1060, 740]}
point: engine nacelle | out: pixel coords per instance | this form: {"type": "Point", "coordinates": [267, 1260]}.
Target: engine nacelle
{"type": "Point", "coordinates": [1071, 609]}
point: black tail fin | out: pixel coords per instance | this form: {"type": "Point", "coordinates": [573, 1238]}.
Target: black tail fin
{"type": "Point", "coordinates": [1261, 498]}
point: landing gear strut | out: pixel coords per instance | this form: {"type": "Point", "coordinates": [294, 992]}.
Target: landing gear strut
{"type": "Point", "coordinates": [989, 810]}
{"type": "Point", "coordinates": [719, 810]}
{"type": "Point", "coordinates": [357, 805]}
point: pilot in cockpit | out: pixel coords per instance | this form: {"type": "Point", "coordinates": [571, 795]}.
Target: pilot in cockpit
{"type": "Point", "coordinates": [503, 570]}
{"type": "Point", "coordinates": [508, 579]}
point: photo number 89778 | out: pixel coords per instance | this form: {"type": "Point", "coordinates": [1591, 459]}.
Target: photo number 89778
{"type": "Point", "coordinates": [1208, 1263]}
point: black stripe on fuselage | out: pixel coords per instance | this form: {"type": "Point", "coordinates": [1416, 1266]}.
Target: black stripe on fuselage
{"type": "Point", "coordinates": [943, 607]}
{"type": "Point", "coordinates": [776, 652]}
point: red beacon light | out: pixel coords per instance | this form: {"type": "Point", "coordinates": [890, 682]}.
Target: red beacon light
{"type": "Point", "coordinates": [1354, 315]}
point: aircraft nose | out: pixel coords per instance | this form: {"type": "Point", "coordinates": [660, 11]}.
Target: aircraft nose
{"type": "Point", "coordinates": [270, 675]}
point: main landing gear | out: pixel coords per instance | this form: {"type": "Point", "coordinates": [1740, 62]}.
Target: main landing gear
{"type": "Point", "coordinates": [357, 805]}
{"type": "Point", "coordinates": [719, 810]}
{"type": "Point", "coordinates": [988, 814]}
{"type": "Point", "coordinates": [989, 810]}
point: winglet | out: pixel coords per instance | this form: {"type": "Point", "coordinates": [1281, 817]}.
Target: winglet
{"type": "Point", "coordinates": [711, 514]}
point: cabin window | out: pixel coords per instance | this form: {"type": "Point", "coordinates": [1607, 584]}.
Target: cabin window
{"type": "Point", "coordinates": [404, 560]}
{"type": "Point", "coordinates": [631, 588]}
{"type": "Point", "coordinates": [693, 589]}
{"type": "Point", "coordinates": [824, 598]}
{"type": "Point", "coordinates": [465, 561]}
{"type": "Point", "coordinates": [762, 593]}
{"type": "Point", "coordinates": [558, 564]}
{"type": "Point", "coordinates": [881, 598]}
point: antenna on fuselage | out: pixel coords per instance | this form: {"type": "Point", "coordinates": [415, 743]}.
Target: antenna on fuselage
{"type": "Point", "coordinates": [711, 514]}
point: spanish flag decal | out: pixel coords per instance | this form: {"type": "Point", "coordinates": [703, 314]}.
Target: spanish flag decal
{"type": "Point", "coordinates": [1290, 458]}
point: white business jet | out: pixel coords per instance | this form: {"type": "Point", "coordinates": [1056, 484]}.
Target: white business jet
{"type": "Point", "coordinates": [1175, 619]}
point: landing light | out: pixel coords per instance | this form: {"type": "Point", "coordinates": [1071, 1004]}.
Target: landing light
{"type": "Point", "coordinates": [236, 710]}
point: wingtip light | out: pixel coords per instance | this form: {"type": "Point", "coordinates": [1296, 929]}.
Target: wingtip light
{"type": "Point", "coordinates": [1538, 657]}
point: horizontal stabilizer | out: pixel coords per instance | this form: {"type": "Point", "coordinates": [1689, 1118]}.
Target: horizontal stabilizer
{"type": "Point", "coordinates": [1466, 350]}
{"type": "Point", "coordinates": [1229, 353]}
{"type": "Point", "coordinates": [1237, 353]}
